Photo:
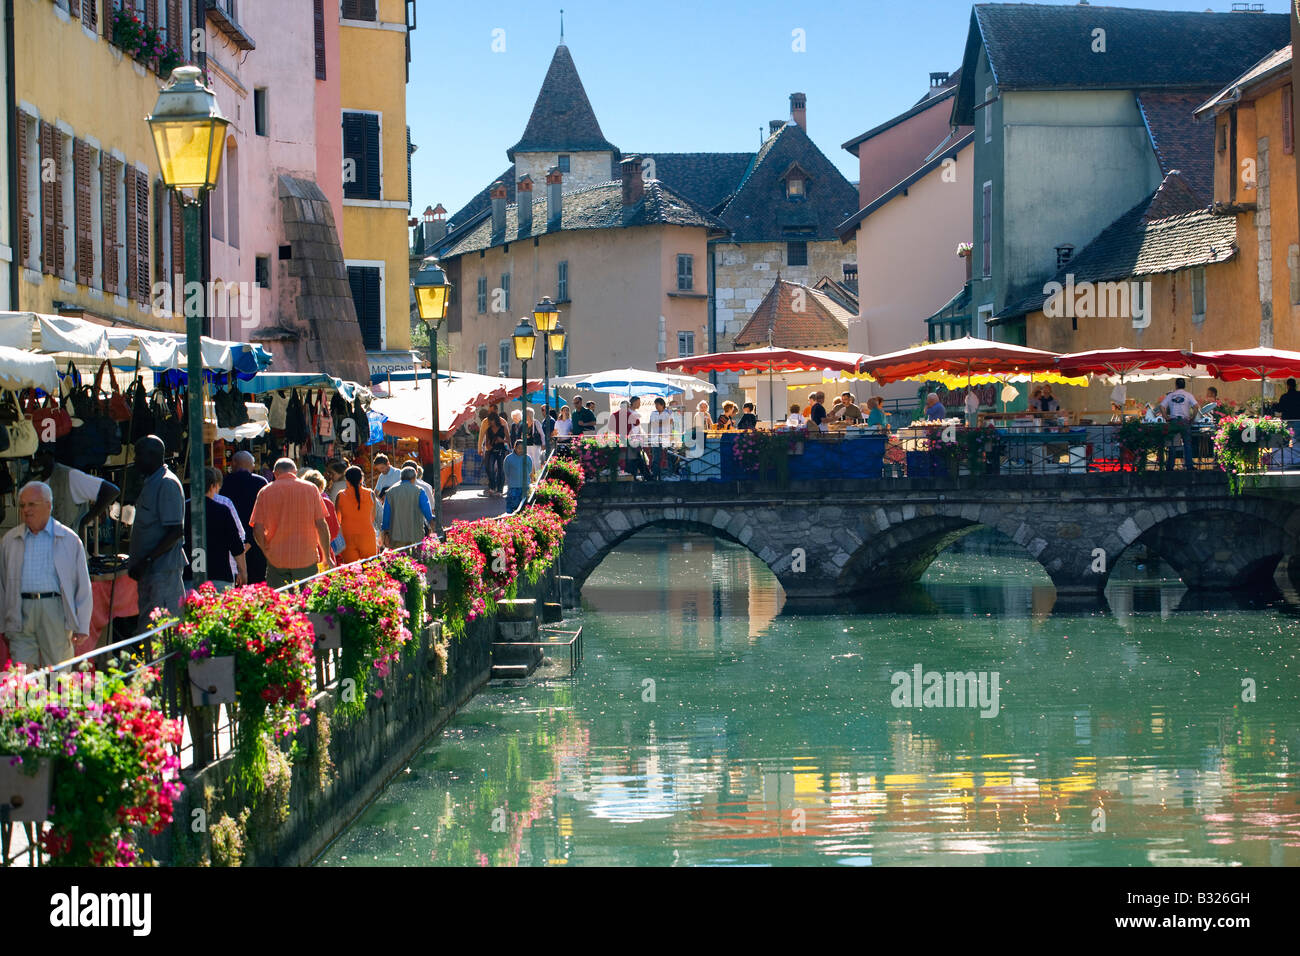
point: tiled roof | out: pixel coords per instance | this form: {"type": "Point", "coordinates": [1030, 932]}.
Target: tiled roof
{"type": "Point", "coordinates": [843, 291]}
{"type": "Point", "coordinates": [595, 207]}
{"type": "Point", "coordinates": [1140, 244]}
{"type": "Point", "coordinates": [1279, 61]}
{"type": "Point", "coordinates": [562, 119]}
{"type": "Point", "coordinates": [760, 212]}
{"type": "Point", "coordinates": [933, 96]}
{"type": "Point", "coordinates": [1039, 47]}
{"type": "Point", "coordinates": [1181, 142]}
{"type": "Point", "coordinates": [706, 179]}
{"type": "Point", "coordinates": [820, 322]}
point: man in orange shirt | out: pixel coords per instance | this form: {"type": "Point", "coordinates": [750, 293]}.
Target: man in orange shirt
{"type": "Point", "coordinates": [289, 524]}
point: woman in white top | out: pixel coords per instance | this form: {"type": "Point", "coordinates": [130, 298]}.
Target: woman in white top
{"type": "Point", "coordinates": [794, 419]}
{"type": "Point", "coordinates": [536, 440]}
{"type": "Point", "coordinates": [702, 420]}
{"type": "Point", "coordinates": [564, 424]}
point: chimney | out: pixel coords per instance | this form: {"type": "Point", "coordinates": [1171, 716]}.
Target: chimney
{"type": "Point", "coordinates": [1064, 252]}
{"type": "Point", "coordinates": [633, 184]}
{"type": "Point", "coordinates": [498, 208]}
{"type": "Point", "coordinates": [524, 197]}
{"type": "Point", "coordinates": [554, 198]}
{"type": "Point", "coordinates": [938, 79]}
{"type": "Point", "coordinates": [433, 225]}
{"type": "Point", "coordinates": [799, 109]}
{"type": "Point", "coordinates": [774, 125]}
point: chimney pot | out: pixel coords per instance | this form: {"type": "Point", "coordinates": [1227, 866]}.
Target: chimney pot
{"type": "Point", "coordinates": [633, 183]}
{"type": "Point", "coordinates": [774, 125]}
{"type": "Point", "coordinates": [498, 208]}
{"type": "Point", "coordinates": [554, 198]}
{"type": "Point", "coordinates": [428, 214]}
{"type": "Point", "coordinates": [799, 110]}
{"type": "Point", "coordinates": [524, 198]}
{"type": "Point", "coordinates": [939, 79]}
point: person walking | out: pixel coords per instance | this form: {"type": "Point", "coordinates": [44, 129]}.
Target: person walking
{"type": "Point", "coordinates": [291, 527]}
{"type": "Point", "coordinates": [314, 477]}
{"type": "Point", "coordinates": [156, 559]}
{"type": "Point", "coordinates": [355, 507]}
{"type": "Point", "coordinates": [385, 474]}
{"type": "Point", "coordinates": [1180, 408]}
{"type": "Point", "coordinates": [242, 486]}
{"type": "Point", "coordinates": [519, 473]}
{"type": "Point", "coordinates": [419, 480]}
{"type": "Point", "coordinates": [407, 512]}
{"type": "Point", "coordinates": [44, 583]}
{"type": "Point", "coordinates": [225, 564]}
{"type": "Point", "coordinates": [492, 446]}
{"type": "Point", "coordinates": [661, 437]}
{"type": "Point", "coordinates": [534, 439]}
{"type": "Point", "coordinates": [564, 424]}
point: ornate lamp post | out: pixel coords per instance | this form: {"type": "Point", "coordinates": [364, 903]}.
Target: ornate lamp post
{"type": "Point", "coordinates": [525, 342]}
{"type": "Point", "coordinates": [432, 294]}
{"type": "Point", "coordinates": [546, 315]}
{"type": "Point", "coordinates": [189, 134]}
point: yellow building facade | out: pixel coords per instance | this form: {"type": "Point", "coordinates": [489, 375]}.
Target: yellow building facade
{"type": "Point", "coordinates": [376, 203]}
{"type": "Point", "coordinates": [96, 228]}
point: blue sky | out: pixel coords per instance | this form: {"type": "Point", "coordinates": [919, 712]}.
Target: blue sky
{"type": "Point", "coordinates": [674, 76]}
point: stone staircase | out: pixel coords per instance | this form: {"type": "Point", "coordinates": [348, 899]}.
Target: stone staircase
{"type": "Point", "coordinates": [515, 654]}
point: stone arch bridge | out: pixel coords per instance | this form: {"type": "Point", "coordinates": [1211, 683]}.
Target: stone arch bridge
{"type": "Point", "coordinates": [853, 536]}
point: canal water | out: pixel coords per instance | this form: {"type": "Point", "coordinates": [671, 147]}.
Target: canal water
{"type": "Point", "coordinates": [712, 724]}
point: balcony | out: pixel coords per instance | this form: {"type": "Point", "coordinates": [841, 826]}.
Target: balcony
{"type": "Point", "coordinates": [223, 14]}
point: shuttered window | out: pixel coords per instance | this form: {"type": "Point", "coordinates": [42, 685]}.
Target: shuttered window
{"type": "Point", "coordinates": [82, 157]}
{"type": "Point", "coordinates": [318, 20]}
{"type": "Point", "coordinates": [177, 235]}
{"type": "Point", "coordinates": [27, 150]}
{"type": "Point", "coordinates": [74, 8]}
{"type": "Point", "coordinates": [367, 297]}
{"type": "Point", "coordinates": [1288, 120]}
{"type": "Point", "coordinates": [986, 229]}
{"type": "Point", "coordinates": [151, 12]}
{"type": "Point", "coordinates": [161, 248]}
{"type": "Point", "coordinates": [50, 196]}
{"type": "Point", "coordinates": [361, 158]}
{"type": "Point", "coordinates": [110, 218]}
{"type": "Point", "coordinates": [89, 14]}
{"type": "Point", "coordinates": [231, 175]}
{"type": "Point", "coordinates": [359, 10]}
{"type": "Point", "coordinates": [137, 235]}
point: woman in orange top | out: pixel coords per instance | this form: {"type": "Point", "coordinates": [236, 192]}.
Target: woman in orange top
{"type": "Point", "coordinates": [355, 507]}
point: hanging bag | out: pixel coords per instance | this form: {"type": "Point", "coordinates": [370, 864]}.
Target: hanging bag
{"type": "Point", "coordinates": [50, 421]}
{"type": "Point", "coordinates": [295, 421]}
{"type": "Point", "coordinates": [21, 433]}
{"type": "Point", "coordinates": [325, 420]}
{"type": "Point", "coordinates": [119, 410]}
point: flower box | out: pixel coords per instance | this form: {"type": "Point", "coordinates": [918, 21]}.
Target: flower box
{"type": "Point", "coordinates": [212, 680]}
{"type": "Point", "coordinates": [329, 632]}
{"type": "Point", "coordinates": [436, 579]}
{"type": "Point", "coordinates": [26, 796]}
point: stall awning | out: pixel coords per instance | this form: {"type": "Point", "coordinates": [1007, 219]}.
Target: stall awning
{"type": "Point", "coordinates": [409, 409]}
{"type": "Point", "coordinates": [20, 370]}
{"type": "Point", "coordinates": [68, 335]}
{"type": "Point", "coordinates": [274, 381]}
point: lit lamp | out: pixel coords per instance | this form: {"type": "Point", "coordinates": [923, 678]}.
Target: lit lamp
{"type": "Point", "coordinates": [525, 342]}
{"type": "Point", "coordinates": [432, 296]}
{"type": "Point", "coordinates": [189, 133]}
{"type": "Point", "coordinates": [546, 315]}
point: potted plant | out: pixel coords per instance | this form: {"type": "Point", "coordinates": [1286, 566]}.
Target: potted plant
{"type": "Point", "coordinates": [268, 643]}
{"type": "Point", "coordinates": [1240, 441]}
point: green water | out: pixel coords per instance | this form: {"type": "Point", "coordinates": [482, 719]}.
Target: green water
{"type": "Point", "coordinates": [710, 725]}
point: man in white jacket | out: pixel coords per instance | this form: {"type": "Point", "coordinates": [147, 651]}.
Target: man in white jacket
{"type": "Point", "coordinates": [44, 583]}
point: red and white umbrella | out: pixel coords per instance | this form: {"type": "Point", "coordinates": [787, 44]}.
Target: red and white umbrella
{"type": "Point", "coordinates": [1247, 365]}
{"type": "Point", "coordinates": [966, 356]}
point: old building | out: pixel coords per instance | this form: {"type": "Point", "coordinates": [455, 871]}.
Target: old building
{"type": "Point", "coordinates": [915, 210]}
{"type": "Point", "coordinates": [1068, 105]}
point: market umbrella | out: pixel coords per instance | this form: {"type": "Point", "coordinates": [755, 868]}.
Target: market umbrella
{"type": "Point", "coordinates": [409, 412]}
{"type": "Point", "coordinates": [1245, 365]}
{"type": "Point", "coordinates": [1121, 362]}
{"type": "Point", "coordinates": [633, 381]}
{"type": "Point", "coordinates": [770, 359]}
{"type": "Point", "coordinates": [967, 357]}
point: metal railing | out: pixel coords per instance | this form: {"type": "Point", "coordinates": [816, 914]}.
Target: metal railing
{"type": "Point", "coordinates": [217, 731]}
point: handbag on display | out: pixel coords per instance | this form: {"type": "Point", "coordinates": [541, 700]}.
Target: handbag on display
{"type": "Point", "coordinates": [141, 422]}
{"type": "Point", "coordinates": [296, 431]}
{"type": "Point", "coordinates": [114, 406]}
{"type": "Point", "coordinates": [361, 422]}
{"type": "Point", "coordinates": [167, 424]}
{"type": "Point", "coordinates": [21, 434]}
{"type": "Point", "coordinates": [325, 420]}
{"type": "Point", "coordinates": [50, 420]}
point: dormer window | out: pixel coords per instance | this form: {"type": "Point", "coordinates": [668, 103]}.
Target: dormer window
{"type": "Point", "coordinates": [796, 182]}
{"type": "Point", "coordinates": [564, 162]}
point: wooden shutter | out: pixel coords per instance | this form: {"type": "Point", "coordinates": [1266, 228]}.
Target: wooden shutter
{"type": "Point", "coordinates": [364, 281]}
{"type": "Point", "coordinates": [142, 224]}
{"type": "Point", "coordinates": [359, 9]}
{"type": "Point", "coordinates": [85, 241]}
{"type": "Point", "coordinates": [176, 27]}
{"type": "Point", "coordinates": [109, 219]}
{"type": "Point", "coordinates": [47, 199]}
{"type": "Point", "coordinates": [90, 14]}
{"type": "Point", "coordinates": [159, 223]}
{"type": "Point", "coordinates": [74, 8]}
{"type": "Point", "coordinates": [177, 238]}
{"type": "Point", "coordinates": [354, 149]}
{"type": "Point", "coordinates": [24, 212]}
{"type": "Point", "coordinates": [61, 213]}
{"type": "Point", "coordinates": [372, 156]}
{"type": "Point", "coordinates": [1288, 120]}
{"type": "Point", "coordinates": [132, 236]}
{"type": "Point", "coordinates": [151, 12]}
{"type": "Point", "coordinates": [318, 20]}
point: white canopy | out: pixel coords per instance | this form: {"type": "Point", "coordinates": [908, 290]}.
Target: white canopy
{"type": "Point", "coordinates": [20, 370]}
{"type": "Point", "coordinates": [68, 335]}
{"type": "Point", "coordinates": [409, 409]}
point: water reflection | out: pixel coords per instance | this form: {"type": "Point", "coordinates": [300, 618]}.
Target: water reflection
{"type": "Point", "coordinates": [714, 722]}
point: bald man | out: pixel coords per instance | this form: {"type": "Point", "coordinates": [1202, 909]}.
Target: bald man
{"type": "Point", "coordinates": [241, 487]}
{"type": "Point", "coordinates": [157, 558]}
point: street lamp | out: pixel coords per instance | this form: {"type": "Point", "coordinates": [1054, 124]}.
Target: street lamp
{"type": "Point", "coordinates": [189, 134]}
{"type": "Point", "coordinates": [432, 295]}
{"type": "Point", "coordinates": [546, 315]}
{"type": "Point", "coordinates": [525, 342]}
